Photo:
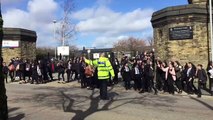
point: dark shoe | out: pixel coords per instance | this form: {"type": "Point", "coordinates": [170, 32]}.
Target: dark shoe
{"type": "Point", "coordinates": [142, 91]}
{"type": "Point", "coordinates": [199, 96]}
{"type": "Point", "coordinates": [105, 98]}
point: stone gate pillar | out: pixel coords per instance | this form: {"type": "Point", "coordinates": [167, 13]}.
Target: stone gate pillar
{"type": "Point", "coordinates": [182, 32]}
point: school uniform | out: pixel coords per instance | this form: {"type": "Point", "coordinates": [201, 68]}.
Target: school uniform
{"type": "Point", "coordinates": [190, 80]}
{"type": "Point", "coordinates": [5, 72]}
{"type": "Point", "coordinates": [69, 71]}
{"type": "Point", "coordinates": [126, 75]}
{"type": "Point", "coordinates": [178, 81]}
{"type": "Point", "coordinates": [35, 75]}
{"type": "Point", "coordinates": [202, 78]}
{"type": "Point", "coordinates": [171, 78]}
{"type": "Point", "coordinates": [136, 75]}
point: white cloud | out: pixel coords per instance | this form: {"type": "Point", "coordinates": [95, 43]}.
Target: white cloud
{"type": "Point", "coordinates": [109, 25]}
{"type": "Point", "coordinates": [104, 20]}
{"type": "Point", "coordinates": [107, 42]}
{"type": "Point", "coordinates": [11, 1]}
{"type": "Point", "coordinates": [37, 17]}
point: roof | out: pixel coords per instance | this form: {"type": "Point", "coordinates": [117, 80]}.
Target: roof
{"type": "Point", "coordinates": [19, 31]}
{"type": "Point", "coordinates": [19, 34]}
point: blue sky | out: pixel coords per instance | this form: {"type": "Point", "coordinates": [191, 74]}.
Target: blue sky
{"type": "Point", "coordinates": [99, 23]}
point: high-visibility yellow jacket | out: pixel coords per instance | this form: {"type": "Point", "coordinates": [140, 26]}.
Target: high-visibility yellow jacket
{"type": "Point", "coordinates": [104, 67]}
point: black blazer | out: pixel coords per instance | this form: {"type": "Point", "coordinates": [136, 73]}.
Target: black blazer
{"type": "Point", "coordinates": [201, 74]}
{"type": "Point", "coordinates": [134, 76]}
{"type": "Point", "coordinates": [191, 73]}
{"type": "Point", "coordinates": [124, 73]}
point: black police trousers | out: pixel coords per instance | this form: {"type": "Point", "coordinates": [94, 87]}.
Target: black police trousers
{"type": "Point", "coordinates": [103, 89]}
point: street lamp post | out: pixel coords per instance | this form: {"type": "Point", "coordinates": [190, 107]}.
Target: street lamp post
{"type": "Point", "coordinates": [210, 23]}
{"type": "Point", "coordinates": [3, 96]}
{"type": "Point", "coordinates": [54, 22]}
{"type": "Point", "coordinates": [211, 40]}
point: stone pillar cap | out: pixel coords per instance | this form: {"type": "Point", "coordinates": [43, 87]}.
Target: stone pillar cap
{"type": "Point", "coordinates": [198, 2]}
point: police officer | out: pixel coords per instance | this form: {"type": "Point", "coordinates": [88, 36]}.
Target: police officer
{"type": "Point", "coordinates": [105, 70]}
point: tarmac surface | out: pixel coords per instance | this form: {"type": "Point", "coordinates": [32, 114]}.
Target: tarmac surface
{"type": "Point", "coordinates": [54, 101]}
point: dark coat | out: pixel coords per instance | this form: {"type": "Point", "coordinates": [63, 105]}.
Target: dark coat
{"type": "Point", "coordinates": [5, 70]}
{"type": "Point", "coordinates": [148, 71]}
{"type": "Point", "coordinates": [201, 74]}
{"type": "Point", "coordinates": [178, 72]}
{"type": "Point", "coordinates": [61, 68]}
{"type": "Point", "coordinates": [192, 72]}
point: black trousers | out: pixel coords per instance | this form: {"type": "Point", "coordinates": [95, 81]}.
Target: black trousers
{"type": "Point", "coordinates": [137, 82]}
{"type": "Point", "coordinates": [11, 74]}
{"type": "Point", "coordinates": [76, 74]}
{"type": "Point", "coordinates": [50, 73]}
{"type": "Point", "coordinates": [103, 89]}
{"type": "Point", "coordinates": [211, 85]}
{"type": "Point", "coordinates": [165, 87]}
{"type": "Point", "coordinates": [201, 85]}
{"type": "Point", "coordinates": [171, 88]}
{"type": "Point", "coordinates": [151, 84]}
{"type": "Point", "coordinates": [45, 76]}
{"type": "Point", "coordinates": [127, 81]}
{"type": "Point", "coordinates": [34, 78]}
{"type": "Point", "coordinates": [159, 82]}
{"type": "Point", "coordinates": [179, 85]}
{"type": "Point", "coordinates": [26, 74]}
{"type": "Point", "coordinates": [5, 77]}
{"type": "Point", "coordinates": [115, 80]}
{"type": "Point", "coordinates": [61, 74]}
{"type": "Point", "coordinates": [190, 86]}
{"type": "Point", "coordinates": [83, 80]}
{"type": "Point", "coordinates": [69, 77]}
{"type": "Point", "coordinates": [20, 74]}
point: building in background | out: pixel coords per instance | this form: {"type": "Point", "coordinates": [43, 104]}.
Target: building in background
{"type": "Point", "coordinates": [18, 42]}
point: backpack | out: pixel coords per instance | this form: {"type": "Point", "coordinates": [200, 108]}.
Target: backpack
{"type": "Point", "coordinates": [89, 72]}
{"type": "Point", "coordinates": [12, 67]}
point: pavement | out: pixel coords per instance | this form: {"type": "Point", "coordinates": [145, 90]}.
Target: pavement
{"type": "Point", "coordinates": [54, 101]}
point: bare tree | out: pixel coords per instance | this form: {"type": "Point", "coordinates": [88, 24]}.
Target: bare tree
{"type": "Point", "coordinates": [130, 44]}
{"type": "Point", "coordinates": [66, 30]}
{"type": "Point", "coordinates": [150, 41]}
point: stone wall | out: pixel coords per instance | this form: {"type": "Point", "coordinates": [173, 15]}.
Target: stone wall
{"type": "Point", "coordinates": [28, 50]}
{"type": "Point", "coordinates": [194, 50]}
{"type": "Point", "coordinates": [9, 53]}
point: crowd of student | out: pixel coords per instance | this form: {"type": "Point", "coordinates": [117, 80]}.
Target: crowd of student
{"type": "Point", "coordinates": [144, 73]}
{"type": "Point", "coordinates": [40, 71]}
{"type": "Point", "coordinates": [151, 74]}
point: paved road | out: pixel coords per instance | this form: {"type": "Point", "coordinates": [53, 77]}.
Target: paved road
{"type": "Point", "coordinates": [55, 101]}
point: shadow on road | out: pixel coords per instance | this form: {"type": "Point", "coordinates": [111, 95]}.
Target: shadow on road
{"type": "Point", "coordinates": [83, 103]}
{"type": "Point", "coordinates": [93, 107]}
{"type": "Point", "coordinates": [203, 103]}
{"type": "Point", "coordinates": [96, 105]}
{"type": "Point", "coordinates": [19, 116]}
